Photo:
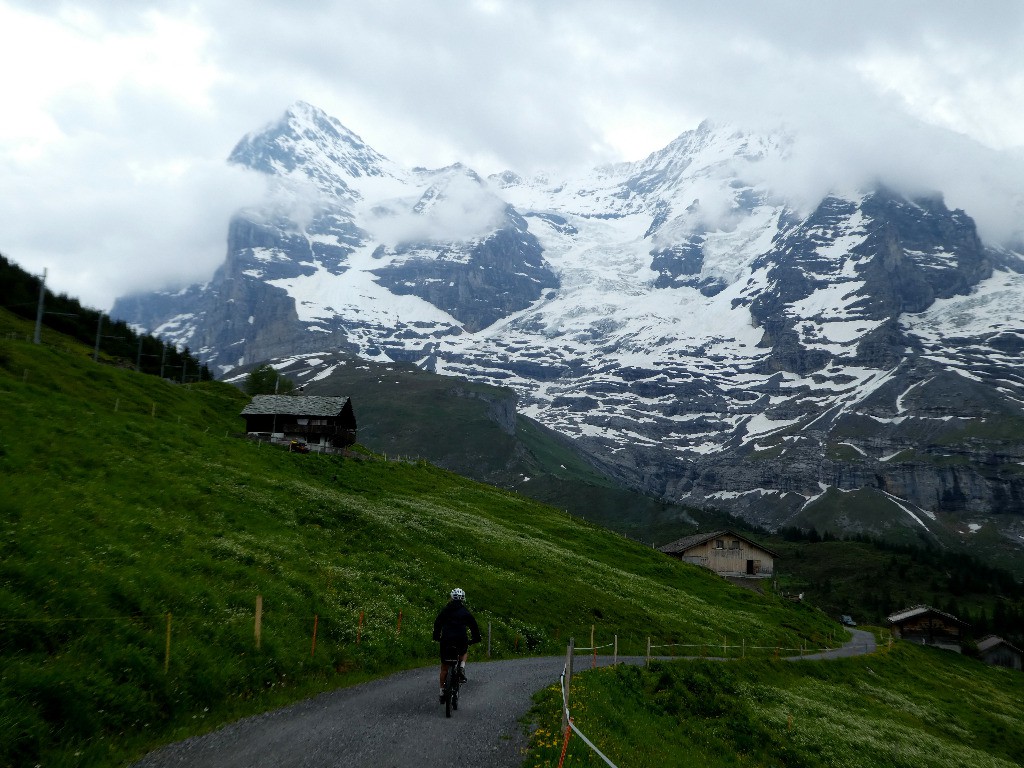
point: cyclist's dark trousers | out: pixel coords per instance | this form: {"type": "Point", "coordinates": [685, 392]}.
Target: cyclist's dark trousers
{"type": "Point", "coordinates": [453, 650]}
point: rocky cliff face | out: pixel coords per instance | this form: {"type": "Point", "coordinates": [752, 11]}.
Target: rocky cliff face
{"type": "Point", "coordinates": [854, 366]}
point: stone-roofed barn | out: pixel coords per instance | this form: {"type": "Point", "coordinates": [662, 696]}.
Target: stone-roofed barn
{"type": "Point", "coordinates": [327, 422]}
{"type": "Point", "coordinates": [726, 553]}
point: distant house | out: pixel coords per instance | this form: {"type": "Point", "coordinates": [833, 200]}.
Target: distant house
{"type": "Point", "coordinates": [925, 625]}
{"type": "Point", "coordinates": [327, 422]}
{"type": "Point", "coordinates": [999, 653]}
{"type": "Point", "coordinates": [726, 553]}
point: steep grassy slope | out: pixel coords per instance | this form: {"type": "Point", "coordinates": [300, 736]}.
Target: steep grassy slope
{"type": "Point", "coordinates": [138, 531]}
{"type": "Point", "coordinates": [473, 429]}
{"type": "Point", "coordinates": [904, 708]}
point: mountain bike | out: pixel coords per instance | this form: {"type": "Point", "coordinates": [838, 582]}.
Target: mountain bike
{"type": "Point", "coordinates": [452, 683]}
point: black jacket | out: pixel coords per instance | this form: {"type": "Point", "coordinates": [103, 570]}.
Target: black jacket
{"type": "Point", "coordinates": [451, 624]}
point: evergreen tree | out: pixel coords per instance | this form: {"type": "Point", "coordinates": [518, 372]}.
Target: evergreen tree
{"type": "Point", "coordinates": [265, 380]}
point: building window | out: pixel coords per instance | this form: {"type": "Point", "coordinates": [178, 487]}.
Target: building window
{"type": "Point", "coordinates": [734, 544]}
{"type": "Point", "coordinates": [719, 544]}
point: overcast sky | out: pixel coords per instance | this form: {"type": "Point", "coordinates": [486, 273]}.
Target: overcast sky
{"type": "Point", "coordinates": [119, 114]}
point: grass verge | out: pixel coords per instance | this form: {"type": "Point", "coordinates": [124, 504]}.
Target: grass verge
{"type": "Point", "coordinates": [906, 708]}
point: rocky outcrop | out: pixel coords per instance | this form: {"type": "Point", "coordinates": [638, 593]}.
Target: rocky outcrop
{"type": "Point", "coordinates": [501, 274]}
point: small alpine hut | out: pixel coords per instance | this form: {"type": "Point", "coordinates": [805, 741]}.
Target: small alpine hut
{"type": "Point", "coordinates": [925, 625]}
{"type": "Point", "coordinates": [995, 651]}
{"type": "Point", "coordinates": [324, 422]}
{"type": "Point", "coordinates": [726, 553]}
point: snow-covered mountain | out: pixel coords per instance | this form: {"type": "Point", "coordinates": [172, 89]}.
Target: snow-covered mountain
{"type": "Point", "coordinates": [854, 365]}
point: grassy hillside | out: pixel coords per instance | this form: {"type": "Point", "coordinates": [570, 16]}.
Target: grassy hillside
{"type": "Point", "coordinates": [470, 429]}
{"type": "Point", "coordinates": [405, 411]}
{"type": "Point", "coordinates": [130, 508]}
{"type": "Point", "coordinates": [904, 708]}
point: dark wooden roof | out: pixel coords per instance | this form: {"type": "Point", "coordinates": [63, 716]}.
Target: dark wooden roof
{"type": "Point", "coordinates": [921, 610]}
{"type": "Point", "coordinates": [287, 405]}
{"type": "Point", "coordinates": [689, 542]}
{"type": "Point", "coordinates": [993, 641]}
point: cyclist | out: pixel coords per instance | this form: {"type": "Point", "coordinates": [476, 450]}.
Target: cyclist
{"type": "Point", "coordinates": [450, 631]}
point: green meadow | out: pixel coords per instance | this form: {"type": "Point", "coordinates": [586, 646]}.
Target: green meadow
{"type": "Point", "coordinates": [138, 529]}
{"type": "Point", "coordinates": [907, 707]}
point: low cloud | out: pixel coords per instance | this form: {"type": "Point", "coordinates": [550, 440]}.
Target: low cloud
{"type": "Point", "coordinates": [126, 229]}
{"type": "Point", "coordinates": [456, 207]}
{"type": "Point", "coordinates": [121, 113]}
{"type": "Point", "coordinates": [913, 158]}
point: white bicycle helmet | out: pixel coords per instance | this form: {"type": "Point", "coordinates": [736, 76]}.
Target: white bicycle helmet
{"type": "Point", "coordinates": [458, 594]}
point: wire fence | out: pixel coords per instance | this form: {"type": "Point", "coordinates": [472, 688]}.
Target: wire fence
{"type": "Point", "coordinates": [172, 637]}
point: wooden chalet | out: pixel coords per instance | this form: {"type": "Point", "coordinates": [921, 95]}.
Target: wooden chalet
{"type": "Point", "coordinates": [999, 653]}
{"type": "Point", "coordinates": [925, 625]}
{"type": "Point", "coordinates": [319, 422]}
{"type": "Point", "coordinates": [726, 553]}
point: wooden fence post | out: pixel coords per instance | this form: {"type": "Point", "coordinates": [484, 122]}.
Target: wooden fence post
{"type": "Point", "coordinates": [167, 649]}
{"type": "Point", "coordinates": [488, 639]}
{"type": "Point", "coordinates": [615, 656]}
{"type": "Point", "coordinates": [648, 651]}
{"type": "Point", "coordinates": [316, 620]}
{"type": "Point", "coordinates": [359, 628]}
{"type": "Point", "coordinates": [398, 629]}
{"type": "Point", "coordinates": [570, 651]}
{"type": "Point", "coordinates": [257, 630]}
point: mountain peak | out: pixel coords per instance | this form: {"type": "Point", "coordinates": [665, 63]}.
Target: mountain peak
{"type": "Point", "coordinates": [303, 117]}
{"type": "Point", "coordinates": [308, 141]}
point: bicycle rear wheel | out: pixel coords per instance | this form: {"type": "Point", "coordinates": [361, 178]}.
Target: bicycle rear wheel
{"type": "Point", "coordinates": [451, 690]}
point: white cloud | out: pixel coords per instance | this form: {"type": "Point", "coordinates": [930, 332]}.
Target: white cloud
{"type": "Point", "coordinates": [119, 113]}
{"type": "Point", "coordinates": [456, 207]}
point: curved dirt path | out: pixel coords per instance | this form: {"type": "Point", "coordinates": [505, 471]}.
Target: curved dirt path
{"type": "Point", "coordinates": [397, 721]}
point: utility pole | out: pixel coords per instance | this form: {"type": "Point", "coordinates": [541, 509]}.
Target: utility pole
{"type": "Point", "coordinates": [38, 338]}
{"type": "Point", "coordinates": [99, 330]}
{"type": "Point", "coordinates": [163, 359]}
{"type": "Point", "coordinates": [138, 357]}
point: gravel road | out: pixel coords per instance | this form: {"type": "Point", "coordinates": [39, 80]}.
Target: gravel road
{"type": "Point", "coordinates": [862, 642]}
{"type": "Point", "coordinates": [387, 723]}
{"type": "Point", "coordinates": [397, 721]}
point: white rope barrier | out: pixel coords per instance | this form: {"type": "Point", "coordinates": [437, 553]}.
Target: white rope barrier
{"type": "Point", "coordinates": [572, 725]}
{"type": "Point", "coordinates": [746, 647]}
{"type": "Point", "coordinates": [590, 744]}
